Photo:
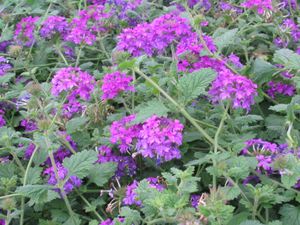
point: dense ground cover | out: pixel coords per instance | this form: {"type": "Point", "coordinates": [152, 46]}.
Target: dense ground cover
{"type": "Point", "coordinates": [149, 112]}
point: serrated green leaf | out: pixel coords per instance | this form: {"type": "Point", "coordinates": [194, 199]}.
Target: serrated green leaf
{"type": "Point", "coordinates": [34, 175]}
{"type": "Point", "coordinates": [290, 214]}
{"type": "Point", "coordinates": [194, 84]}
{"type": "Point", "coordinates": [153, 107]}
{"type": "Point", "coordinates": [237, 219]}
{"type": "Point", "coordinates": [75, 124]}
{"type": "Point", "coordinates": [74, 220]}
{"type": "Point", "coordinates": [262, 71]}
{"type": "Point", "coordinates": [80, 163]}
{"type": "Point", "coordinates": [131, 216]}
{"type": "Point", "coordinates": [275, 223]}
{"type": "Point", "coordinates": [101, 173]}
{"type": "Point", "coordinates": [38, 194]}
{"type": "Point", "coordinates": [288, 58]}
{"type": "Point", "coordinates": [279, 108]}
{"type": "Point", "coordinates": [7, 170]}
{"type": "Point", "coordinates": [6, 78]}
{"type": "Point", "coordinates": [226, 38]}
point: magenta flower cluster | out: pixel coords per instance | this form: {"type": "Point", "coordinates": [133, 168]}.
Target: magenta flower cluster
{"type": "Point", "coordinates": [160, 138]}
{"type": "Point", "coordinates": [54, 25]}
{"type": "Point", "coordinates": [114, 83]}
{"type": "Point", "coordinates": [24, 32]}
{"type": "Point", "coordinates": [157, 137]}
{"type": "Point", "coordinates": [77, 84]}
{"type": "Point", "coordinates": [123, 133]}
{"type": "Point", "coordinates": [2, 120]}
{"type": "Point", "coordinates": [189, 57]}
{"type": "Point", "coordinates": [62, 173]}
{"type": "Point", "coordinates": [260, 5]}
{"type": "Point", "coordinates": [235, 88]}
{"type": "Point", "coordinates": [28, 125]}
{"type": "Point", "coordinates": [153, 38]}
{"type": "Point", "coordinates": [85, 27]}
{"type": "Point", "coordinates": [280, 88]}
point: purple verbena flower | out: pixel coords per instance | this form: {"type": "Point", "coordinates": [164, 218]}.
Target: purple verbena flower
{"type": "Point", "coordinates": [29, 151]}
{"type": "Point", "coordinates": [235, 60]}
{"type": "Point", "coordinates": [2, 120]}
{"type": "Point", "coordinates": [74, 80]}
{"type": "Point", "coordinates": [4, 66]}
{"type": "Point", "coordinates": [123, 134]}
{"type": "Point", "coordinates": [62, 172]}
{"type": "Point", "coordinates": [114, 83]}
{"type": "Point", "coordinates": [260, 5]}
{"type": "Point", "coordinates": [235, 88]}
{"type": "Point", "coordinates": [54, 25]}
{"type": "Point", "coordinates": [280, 88]}
{"type": "Point", "coordinates": [195, 200]}
{"type": "Point", "coordinates": [131, 197]}
{"type": "Point", "coordinates": [28, 125]}
{"type": "Point", "coordinates": [160, 138]}
{"type": "Point", "coordinates": [24, 32]}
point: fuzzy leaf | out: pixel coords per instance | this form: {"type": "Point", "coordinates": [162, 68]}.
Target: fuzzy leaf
{"type": "Point", "coordinates": [194, 84]}
{"type": "Point", "coordinates": [225, 39]}
{"type": "Point", "coordinates": [80, 163]}
{"type": "Point", "coordinates": [288, 58]}
{"type": "Point", "coordinates": [290, 214]}
{"type": "Point", "coordinates": [75, 124]}
{"type": "Point", "coordinates": [251, 222]}
{"type": "Point", "coordinates": [38, 194]}
{"type": "Point", "coordinates": [152, 107]}
{"type": "Point", "coordinates": [101, 173]}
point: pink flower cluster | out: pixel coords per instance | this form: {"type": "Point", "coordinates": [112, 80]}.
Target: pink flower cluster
{"type": "Point", "coordinates": [280, 88]}
{"type": "Point", "coordinates": [235, 88]}
{"type": "Point", "coordinates": [24, 32]}
{"type": "Point", "coordinates": [76, 83]}
{"type": "Point", "coordinates": [153, 38]}
{"type": "Point", "coordinates": [85, 27]}
{"type": "Point", "coordinates": [260, 5]}
{"type": "Point", "coordinates": [123, 133]}
{"type": "Point", "coordinates": [157, 137]}
{"type": "Point", "coordinates": [114, 83]}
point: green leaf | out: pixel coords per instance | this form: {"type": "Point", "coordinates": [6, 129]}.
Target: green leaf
{"type": "Point", "coordinates": [194, 84]}
{"type": "Point", "coordinates": [75, 124]}
{"type": "Point", "coordinates": [225, 39]}
{"type": "Point", "coordinates": [80, 163]}
{"type": "Point", "coordinates": [290, 214]}
{"type": "Point", "coordinates": [7, 170]}
{"type": "Point", "coordinates": [6, 78]}
{"type": "Point", "coordinates": [38, 194]}
{"type": "Point", "coordinates": [74, 220]}
{"type": "Point", "coordinates": [131, 216]}
{"type": "Point", "coordinates": [153, 107]}
{"type": "Point", "coordinates": [101, 173]}
{"type": "Point", "coordinates": [251, 222]}
{"type": "Point", "coordinates": [262, 71]}
{"type": "Point", "coordinates": [275, 223]}
{"type": "Point", "coordinates": [34, 175]}
{"type": "Point", "coordinates": [288, 58]}
{"type": "Point", "coordinates": [279, 108]}
{"type": "Point", "coordinates": [237, 219]}
{"type": "Point", "coordinates": [127, 64]}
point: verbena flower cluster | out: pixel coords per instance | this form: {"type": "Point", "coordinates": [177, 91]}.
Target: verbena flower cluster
{"type": "Point", "coordinates": [280, 88]}
{"type": "Point", "coordinates": [239, 90]}
{"type": "Point", "coordinates": [24, 32]}
{"type": "Point", "coordinates": [54, 25]}
{"type": "Point", "coordinates": [114, 83]}
{"type": "Point", "coordinates": [153, 38]}
{"type": "Point", "coordinates": [157, 137]}
{"type": "Point", "coordinates": [4, 66]}
{"type": "Point", "coordinates": [260, 5]}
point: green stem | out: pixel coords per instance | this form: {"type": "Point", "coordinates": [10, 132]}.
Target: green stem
{"type": "Point", "coordinates": [24, 183]}
{"type": "Point", "coordinates": [216, 144]}
{"type": "Point", "coordinates": [181, 109]}
{"type": "Point", "coordinates": [9, 196]}
{"type": "Point", "coordinates": [78, 56]}
{"type": "Point", "coordinates": [255, 206]}
{"type": "Point", "coordinates": [17, 160]}
{"type": "Point", "coordinates": [89, 205]}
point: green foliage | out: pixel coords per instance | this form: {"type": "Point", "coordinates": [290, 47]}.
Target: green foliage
{"type": "Point", "coordinates": [224, 38]}
{"type": "Point", "coordinates": [194, 84]}
{"type": "Point", "coordinates": [101, 173]}
{"type": "Point", "coordinates": [80, 163]}
{"type": "Point", "coordinates": [290, 214]}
